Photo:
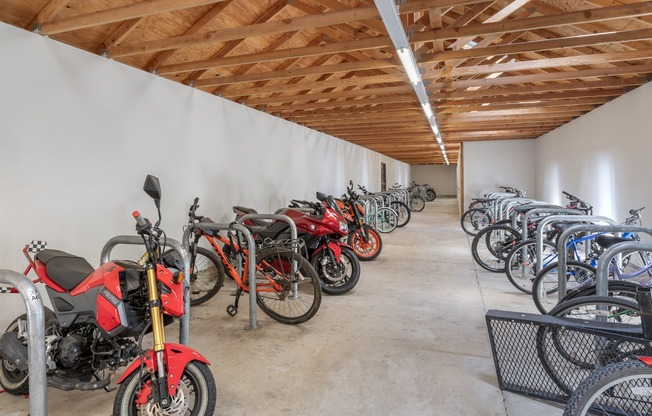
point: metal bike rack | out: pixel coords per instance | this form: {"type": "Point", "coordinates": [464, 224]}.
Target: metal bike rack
{"type": "Point", "coordinates": [606, 257]}
{"type": "Point", "coordinates": [602, 271]}
{"type": "Point", "coordinates": [36, 339]}
{"type": "Point", "coordinates": [252, 261]}
{"type": "Point", "coordinates": [182, 250]}
{"type": "Point", "coordinates": [562, 239]}
{"type": "Point", "coordinates": [531, 213]}
{"type": "Point", "coordinates": [279, 217]}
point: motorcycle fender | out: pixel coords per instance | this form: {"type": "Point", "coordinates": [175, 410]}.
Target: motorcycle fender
{"type": "Point", "coordinates": [646, 360]}
{"type": "Point", "coordinates": [335, 246]}
{"type": "Point", "coordinates": [176, 357]}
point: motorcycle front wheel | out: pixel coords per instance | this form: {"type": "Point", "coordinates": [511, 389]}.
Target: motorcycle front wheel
{"type": "Point", "coordinates": [365, 249]}
{"type": "Point", "coordinates": [196, 394]}
{"type": "Point", "coordinates": [337, 279]}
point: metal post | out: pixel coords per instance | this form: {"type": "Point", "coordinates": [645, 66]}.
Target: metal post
{"type": "Point", "coordinates": [602, 271]}
{"type": "Point", "coordinates": [184, 321]}
{"type": "Point", "coordinates": [36, 339]}
{"type": "Point", "coordinates": [531, 213]}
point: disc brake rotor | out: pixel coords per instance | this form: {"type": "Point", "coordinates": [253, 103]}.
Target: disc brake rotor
{"type": "Point", "coordinates": [178, 407]}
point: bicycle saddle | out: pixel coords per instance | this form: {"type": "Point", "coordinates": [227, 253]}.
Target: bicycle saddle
{"type": "Point", "coordinates": [606, 241]}
{"type": "Point", "coordinates": [64, 269]}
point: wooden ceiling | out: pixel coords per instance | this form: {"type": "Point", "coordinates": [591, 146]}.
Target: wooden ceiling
{"type": "Point", "coordinates": [503, 69]}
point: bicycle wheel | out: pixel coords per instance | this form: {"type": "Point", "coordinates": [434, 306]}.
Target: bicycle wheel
{"type": "Point", "coordinates": [431, 195]}
{"type": "Point", "coordinates": [299, 296]}
{"type": "Point", "coordinates": [521, 263]}
{"type": "Point", "coordinates": [417, 203]}
{"type": "Point", "coordinates": [491, 246]}
{"type": "Point", "coordinates": [403, 211]}
{"type": "Point", "coordinates": [386, 220]}
{"type": "Point", "coordinates": [568, 361]}
{"type": "Point", "coordinates": [206, 274]}
{"type": "Point", "coordinates": [623, 388]}
{"type": "Point", "coordinates": [545, 285]}
{"type": "Point", "coordinates": [475, 220]}
{"type": "Point", "coordinates": [366, 249]}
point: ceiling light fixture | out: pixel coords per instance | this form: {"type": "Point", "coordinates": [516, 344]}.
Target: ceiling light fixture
{"type": "Point", "coordinates": [389, 14]}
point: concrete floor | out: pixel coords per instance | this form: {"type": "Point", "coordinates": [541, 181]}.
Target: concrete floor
{"type": "Point", "coordinates": [410, 339]}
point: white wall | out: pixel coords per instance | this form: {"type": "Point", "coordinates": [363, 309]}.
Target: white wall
{"type": "Point", "coordinates": [490, 164]}
{"type": "Point", "coordinates": [79, 133]}
{"type": "Point", "coordinates": [601, 157]}
{"type": "Point", "coordinates": [442, 178]}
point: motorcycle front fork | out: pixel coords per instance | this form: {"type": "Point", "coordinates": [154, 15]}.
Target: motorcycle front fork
{"type": "Point", "coordinates": [159, 336]}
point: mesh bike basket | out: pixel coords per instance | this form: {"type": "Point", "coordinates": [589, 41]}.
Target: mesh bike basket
{"type": "Point", "coordinates": [546, 357]}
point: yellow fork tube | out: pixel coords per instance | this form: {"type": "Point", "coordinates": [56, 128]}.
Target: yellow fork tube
{"type": "Point", "coordinates": [155, 310]}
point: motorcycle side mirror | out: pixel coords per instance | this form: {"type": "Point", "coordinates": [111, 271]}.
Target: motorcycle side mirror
{"type": "Point", "coordinates": [321, 196]}
{"type": "Point", "coordinates": [152, 188]}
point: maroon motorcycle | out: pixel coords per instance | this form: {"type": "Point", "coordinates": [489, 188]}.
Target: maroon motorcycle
{"type": "Point", "coordinates": [320, 226]}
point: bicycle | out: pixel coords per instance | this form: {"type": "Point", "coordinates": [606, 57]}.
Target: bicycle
{"type": "Point", "coordinates": [634, 269]}
{"type": "Point", "coordinates": [401, 209]}
{"type": "Point", "coordinates": [287, 286]}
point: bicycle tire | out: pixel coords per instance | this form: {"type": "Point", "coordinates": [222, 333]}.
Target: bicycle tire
{"type": "Point", "coordinates": [491, 246]}
{"type": "Point", "coordinates": [417, 203]}
{"type": "Point", "coordinates": [521, 263]}
{"type": "Point", "coordinates": [563, 362]}
{"type": "Point", "coordinates": [431, 195]}
{"type": "Point", "coordinates": [206, 275]}
{"type": "Point", "coordinates": [621, 388]}
{"type": "Point", "coordinates": [546, 284]}
{"type": "Point", "coordinates": [288, 306]}
{"type": "Point", "coordinates": [386, 220]}
{"type": "Point", "coordinates": [403, 212]}
{"type": "Point", "coordinates": [474, 220]}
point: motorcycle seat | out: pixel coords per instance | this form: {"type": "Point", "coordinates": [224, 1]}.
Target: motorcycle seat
{"type": "Point", "coordinates": [259, 222]}
{"type": "Point", "coordinates": [65, 269]}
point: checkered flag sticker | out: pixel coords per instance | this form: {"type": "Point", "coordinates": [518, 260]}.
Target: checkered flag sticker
{"type": "Point", "coordinates": [37, 245]}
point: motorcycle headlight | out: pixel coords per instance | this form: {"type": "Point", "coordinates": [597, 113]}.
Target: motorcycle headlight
{"type": "Point", "coordinates": [344, 227]}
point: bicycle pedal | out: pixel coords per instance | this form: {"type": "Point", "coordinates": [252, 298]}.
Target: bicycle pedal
{"type": "Point", "coordinates": [231, 310]}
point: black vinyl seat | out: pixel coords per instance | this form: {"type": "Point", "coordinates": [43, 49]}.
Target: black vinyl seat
{"type": "Point", "coordinates": [65, 269]}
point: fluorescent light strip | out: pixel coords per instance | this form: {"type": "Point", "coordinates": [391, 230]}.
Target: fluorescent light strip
{"type": "Point", "coordinates": [410, 66]}
{"type": "Point", "coordinates": [389, 13]}
{"type": "Point", "coordinates": [428, 110]}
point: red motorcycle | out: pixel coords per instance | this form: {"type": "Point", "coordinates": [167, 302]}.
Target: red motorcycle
{"type": "Point", "coordinates": [320, 226]}
{"type": "Point", "coordinates": [98, 323]}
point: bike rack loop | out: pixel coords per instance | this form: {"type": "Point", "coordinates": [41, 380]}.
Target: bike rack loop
{"type": "Point", "coordinates": [182, 250]}
{"type": "Point", "coordinates": [279, 217]}
{"type": "Point", "coordinates": [561, 260]}
{"type": "Point", "coordinates": [501, 202]}
{"type": "Point", "coordinates": [36, 339]}
{"type": "Point", "coordinates": [252, 261]}
{"type": "Point", "coordinates": [601, 274]}
{"type": "Point", "coordinates": [602, 271]}
{"type": "Point", "coordinates": [531, 213]}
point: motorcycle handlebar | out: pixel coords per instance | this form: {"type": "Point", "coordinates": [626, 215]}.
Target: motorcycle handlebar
{"type": "Point", "coordinates": [142, 224]}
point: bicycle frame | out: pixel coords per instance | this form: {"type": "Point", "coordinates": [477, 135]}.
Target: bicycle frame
{"type": "Point", "coordinates": [261, 287]}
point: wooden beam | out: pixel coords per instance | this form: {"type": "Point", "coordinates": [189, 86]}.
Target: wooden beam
{"type": "Point", "coordinates": [270, 28]}
{"type": "Point", "coordinates": [554, 103]}
{"type": "Point", "coordinates": [118, 14]}
{"type": "Point", "coordinates": [543, 99]}
{"type": "Point", "coordinates": [568, 61]}
{"type": "Point", "coordinates": [47, 13]}
{"type": "Point", "coordinates": [125, 29]}
{"type": "Point", "coordinates": [207, 18]}
{"type": "Point", "coordinates": [523, 79]}
{"type": "Point", "coordinates": [543, 45]}
{"type": "Point", "coordinates": [541, 22]}
{"type": "Point", "coordinates": [334, 95]}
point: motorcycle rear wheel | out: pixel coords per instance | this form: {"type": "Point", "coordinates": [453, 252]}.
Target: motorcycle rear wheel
{"type": "Point", "coordinates": [337, 279]}
{"type": "Point", "coordinates": [13, 380]}
{"type": "Point", "coordinates": [365, 250]}
{"type": "Point", "coordinates": [196, 394]}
